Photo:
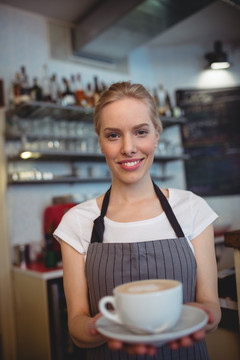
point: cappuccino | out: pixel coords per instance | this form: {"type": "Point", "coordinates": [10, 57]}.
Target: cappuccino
{"type": "Point", "coordinates": [146, 286]}
{"type": "Point", "coordinates": [145, 306]}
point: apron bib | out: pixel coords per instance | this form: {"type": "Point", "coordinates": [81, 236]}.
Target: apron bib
{"type": "Point", "coordinates": [109, 265]}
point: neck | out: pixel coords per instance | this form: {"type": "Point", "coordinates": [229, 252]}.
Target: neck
{"type": "Point", "coordinates": [127, 193]}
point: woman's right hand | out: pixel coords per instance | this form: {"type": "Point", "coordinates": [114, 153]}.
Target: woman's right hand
{"type": "Point", "coordinates": [113, 344]}
{"type": "Point", "coordinates": [132, 349]}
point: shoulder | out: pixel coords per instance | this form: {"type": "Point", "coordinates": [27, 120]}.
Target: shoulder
{"type": "Point", "coordinates": [179, 196]}
{"type": "Point", "coordinates": [87, 210]}
{"type": "Point", "coordinates": [76, 225]}
{"type": "Point", "coordinates": [186, 202]}
{"type": "Point", "coordinates": [192, 211]}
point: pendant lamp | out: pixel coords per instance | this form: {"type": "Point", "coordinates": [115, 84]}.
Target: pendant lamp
{"type": "Point", "coordinates": [217, 60]}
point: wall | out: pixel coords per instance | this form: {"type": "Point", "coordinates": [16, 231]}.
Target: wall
{"type": "Point", "coordinates": [24, 39]}
{"type": "Point", "coordinates": [182, 67]}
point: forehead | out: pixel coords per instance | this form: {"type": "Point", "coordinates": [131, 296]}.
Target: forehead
{"type": "Point", "coordinates": [125, 108]}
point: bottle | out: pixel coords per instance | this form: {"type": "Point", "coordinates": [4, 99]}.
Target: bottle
{"type": "Point", "coordinates": [73, 85]}
{"type": "Point", "coordinates": [14, 93]}
{"type": "Point", "coordinates": [97, 91]}
{"type": "Point", "coordinates": [45, 84]}
{"type": "Point", "coordinates": [68, 97]}
{"type": "Point", "coordinates": [161, 97]}
{"type": "Point", "coordinates": [36, 91]}
{"type": "Point", "coordinates": [17, 85]}
{"type": "Point", "coordinates": [25, 88]}
{"type": "Point", "coordinates": [79, 93]}
{"type": "Point", "coordinates": [156, 98]}
{"type": "Point", "coordinates": [168, 106]}
{"type": "Point", "coordinates": [50, 259]}
{"type": "Point", "coordinates": [55, 91]}
{"type": "Point", "coordinates": [89, 96]}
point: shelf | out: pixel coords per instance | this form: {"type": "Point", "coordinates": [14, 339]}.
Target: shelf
{"type": "Point", "coordinates": [40, 109]}
{"type": "Point", "coordinates": [49, 137]}
{"type": "Point", "coordinates": [171, 121]}
{"type": "Point", "coordinates": [53, 155]}
{"type": "Point", "coordinates": [37, 110]}
{"type": "Point", "coordinates": [73, 179]}
{"type": "Point", "coordinates": [40, 113]}
{"type": "Point", "coordinates": [60, 180]}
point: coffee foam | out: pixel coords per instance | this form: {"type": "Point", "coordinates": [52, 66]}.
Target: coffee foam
{"type": "Point", "coordinates": [146, 286]}
{"type": "Point", "coordinates": [143, 288]}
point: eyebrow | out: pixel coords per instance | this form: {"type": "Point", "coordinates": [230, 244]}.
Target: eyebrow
{"type": "Point", "coordinates": [134, 128]}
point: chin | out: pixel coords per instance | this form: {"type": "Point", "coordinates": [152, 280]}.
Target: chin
{"type": "Point", "coordinates": [131, 178]}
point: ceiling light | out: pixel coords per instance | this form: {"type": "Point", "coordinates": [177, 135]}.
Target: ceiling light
{"type": "Point", "coordinates": [217, 60]}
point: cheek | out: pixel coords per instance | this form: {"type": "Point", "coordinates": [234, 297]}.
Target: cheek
{"type": "Point", "coordinates": [108, 150]}
{"type": "Point", "coordinates": [149, 147]}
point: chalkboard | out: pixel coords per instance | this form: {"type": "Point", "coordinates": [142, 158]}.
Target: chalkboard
{"type": "Point", "coordinates": [211, 137]}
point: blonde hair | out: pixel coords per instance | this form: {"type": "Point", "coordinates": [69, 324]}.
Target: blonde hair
{"type": "Point", "coordinates": [121, 90]}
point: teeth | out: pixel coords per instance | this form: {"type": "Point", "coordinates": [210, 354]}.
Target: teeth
{"type": "Point", "coordinates": [132, 163]}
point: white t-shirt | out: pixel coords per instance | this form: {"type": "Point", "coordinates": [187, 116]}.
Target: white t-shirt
{"type": "Point", "coordinates": [191, 211]}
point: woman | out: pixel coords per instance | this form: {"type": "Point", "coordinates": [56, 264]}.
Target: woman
{"type": "Point", "coordinates": [101, 239]}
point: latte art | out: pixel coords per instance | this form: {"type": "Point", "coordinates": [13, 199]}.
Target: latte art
{"type": "Point", "coordinates": [143, 288]}
{"type": "Point", "coordinates": [148, 286]}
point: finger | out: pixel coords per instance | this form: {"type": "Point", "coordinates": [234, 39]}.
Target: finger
{"type": "Point", "coordinates": [92, 325]}
{"type": "Point", "coordinates": [152, 350]}
{"type": "Point", "coordinates": [199, 335]}
{"type": "Point", "coordinates": [186, 341]}
{"type": "Point", "coordinates": [138, 349]}
{"type": "Point", "coordinates": [115, 344]}
{"type": "Point", "coordinates": [174, 345]}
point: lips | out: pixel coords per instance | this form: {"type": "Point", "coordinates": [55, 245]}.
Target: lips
{"type": "Point", "coordinates": [130, 164]}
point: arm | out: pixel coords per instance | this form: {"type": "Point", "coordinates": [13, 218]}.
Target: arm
{"type": "Point", "coordinates": [207, 289]}
{"type": "Point", "coordinates": [75, 287]}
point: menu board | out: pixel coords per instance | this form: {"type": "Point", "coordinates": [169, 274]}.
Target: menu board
{"type": "Point", "coordinates": [211, 137]}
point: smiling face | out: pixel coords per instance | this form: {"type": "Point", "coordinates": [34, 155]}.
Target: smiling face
{"type": "Point", "coordinates": [128, 139]}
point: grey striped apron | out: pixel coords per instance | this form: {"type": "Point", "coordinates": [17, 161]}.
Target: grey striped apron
{"type": "Point", "coordinates": [109, 265]}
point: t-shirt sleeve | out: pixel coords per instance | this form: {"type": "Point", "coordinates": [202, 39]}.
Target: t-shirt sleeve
{"type": "Point", "coordinates": [202, 215]}
{"type": "Point", "coordinates": [70, 230]}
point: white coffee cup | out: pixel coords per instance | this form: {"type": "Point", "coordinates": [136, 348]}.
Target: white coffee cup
{"type": "Point", "coordinates": [145, 306]}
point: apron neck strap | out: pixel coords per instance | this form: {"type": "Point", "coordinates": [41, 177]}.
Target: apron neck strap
{"type": "Point", "coordinates": [98, 227]}
{"type": "Point", "coordinates": [168, 211]}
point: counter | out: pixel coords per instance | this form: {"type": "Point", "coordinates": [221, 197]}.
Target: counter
{"type": "Point", "coordinates": [40, 312]}
{"type": "Point", "coordinates": [38, 270]}
{"type": "Point", "coordinates": [232, 239]}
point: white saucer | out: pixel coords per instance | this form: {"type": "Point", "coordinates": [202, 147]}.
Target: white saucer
{"type": "Point", "coordinates": [191, 320]}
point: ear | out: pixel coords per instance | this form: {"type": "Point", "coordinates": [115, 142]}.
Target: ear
{"type": "Point", "coordinates": [100, 146]}
{"type": "Point", "coordinates": [156, 139]}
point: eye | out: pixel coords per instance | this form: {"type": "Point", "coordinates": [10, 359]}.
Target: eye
{"type": "Point", "coordinates": [112, 136]}
{"type": "Point", "coordinates": [142, 132]}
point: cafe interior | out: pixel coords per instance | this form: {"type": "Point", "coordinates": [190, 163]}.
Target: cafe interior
{"type": "Point", "coordinates": [56, 57]}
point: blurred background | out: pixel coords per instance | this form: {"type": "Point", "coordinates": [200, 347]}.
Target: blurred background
{"type": "Point", "coordinates": [56, 58]}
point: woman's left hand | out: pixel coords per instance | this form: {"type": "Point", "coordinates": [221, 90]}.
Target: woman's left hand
{"type": "Point", "coordinates": [198, 335]}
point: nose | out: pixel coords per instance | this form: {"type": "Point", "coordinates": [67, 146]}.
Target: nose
{"type": "Point", "coordinates": [128, 145]}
